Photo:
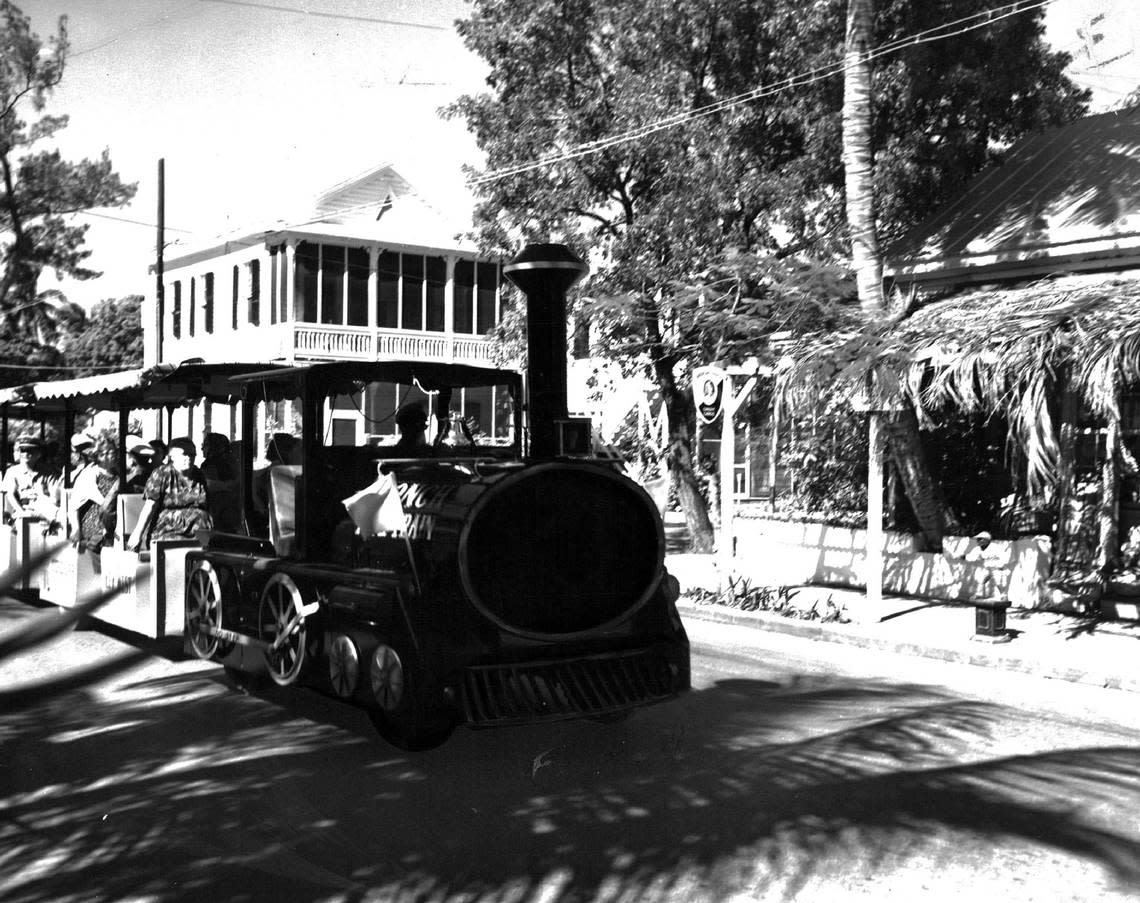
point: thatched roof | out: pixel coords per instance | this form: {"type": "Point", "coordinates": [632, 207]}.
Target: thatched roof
{"type": "Point", "coordinates": [997, 350]}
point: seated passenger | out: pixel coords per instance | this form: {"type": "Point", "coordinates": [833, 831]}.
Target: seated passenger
{"type": "Point", "coordinates": [221, 473]}
{"type": "Point", "coordinates": [411, 421]}
{"type": "Point", "coordinates": [30, 487]}
{"type": "Point", "coordinates": [93, 492]}
{"type": "Point", "coordinates": [281, 450]}
{"type": "Point", "coordinates": [174, 501]}
{"type": "Point", "coordinates": [140, 463]}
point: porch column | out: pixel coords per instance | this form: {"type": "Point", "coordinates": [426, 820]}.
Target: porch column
{"type": "Point", "coordinates": [874, 607]}
{"type": "Point", "coordinates": [373, 300]}
{"type": "Point", "coordinates": [449, 312]}
{"type": "Point", "coordinates": [731, 403]}
{"type": "Point", "coordinates": [290, 351]}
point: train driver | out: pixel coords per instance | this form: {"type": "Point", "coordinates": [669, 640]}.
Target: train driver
{"type": "Point", "coordinates": [411, 421]}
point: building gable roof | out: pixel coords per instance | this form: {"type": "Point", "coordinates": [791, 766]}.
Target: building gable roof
{"type": "Point", "coordinates": [366, 196]}
{"type": "Point", "coordinates": [378, 206]}
{"type": "Point", "coordinates": [1072, 193]}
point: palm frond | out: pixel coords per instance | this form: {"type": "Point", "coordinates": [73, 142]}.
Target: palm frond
{"type": "Point", "coordinates": [989, 351]}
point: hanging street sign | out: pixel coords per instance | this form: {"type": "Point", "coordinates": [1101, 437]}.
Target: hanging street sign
{"type": "Point", "coordinates": [708, 392]}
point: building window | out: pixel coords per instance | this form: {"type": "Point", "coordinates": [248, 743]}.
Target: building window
{"type": "Point", "coordinates": [307, 264]}
{"type": "Point", "coordinates": [464, 303]}
{"type": "Point", "coordinates": [435, 287]}
{"type": "Point", "coordinates": [176, 312]}
{"type": "Point", "coordinates": [358, 266]}
{"type": "Point", "coordinates": [255, 292]}
{"type": "Point", "coordinates": [193, 304]}
{"type": "Point", "coordinates": [487, 290]}
{"type": "Point", "coordinates": [332, 285]}
{"type": "Point", "coordinates": [388, 290]}
{"type": "Point", "coordinates": [208, 304]}
{"type": "Point", "coordinates": [412, 291]}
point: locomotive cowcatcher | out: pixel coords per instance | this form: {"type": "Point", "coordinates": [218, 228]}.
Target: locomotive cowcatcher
{"type": "Point", "coordinates": [491, 578]}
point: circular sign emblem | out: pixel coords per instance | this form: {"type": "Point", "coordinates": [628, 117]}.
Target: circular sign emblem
{"type": "Point", "coordinates": [708, 392]}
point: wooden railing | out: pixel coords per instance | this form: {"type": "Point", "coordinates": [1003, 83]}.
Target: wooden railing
{"type": "Point", "coordinates": [316, 341]}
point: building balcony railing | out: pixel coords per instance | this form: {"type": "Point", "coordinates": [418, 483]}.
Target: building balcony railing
{"type": "Point", "coordinates": [316, 341]}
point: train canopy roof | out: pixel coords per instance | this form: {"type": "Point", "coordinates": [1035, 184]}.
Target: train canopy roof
{"type": "Point", "coordinates": [164, 385]}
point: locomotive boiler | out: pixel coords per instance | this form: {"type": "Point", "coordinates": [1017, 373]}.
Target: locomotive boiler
{"type": "Point", "coordinates": [485, 580]}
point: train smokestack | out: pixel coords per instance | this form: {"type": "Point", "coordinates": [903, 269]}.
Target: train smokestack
{"type": "Point", "coordinates": [544, 273]}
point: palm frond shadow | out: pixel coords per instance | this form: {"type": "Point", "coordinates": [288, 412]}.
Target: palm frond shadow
{"type": "Point", "coordinates": [742, 787]}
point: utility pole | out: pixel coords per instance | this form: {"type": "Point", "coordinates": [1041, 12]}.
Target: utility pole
{"type": "Point", "coordinates": [159, 290]}
{"type": "Point", "coordinates": [159, 277]}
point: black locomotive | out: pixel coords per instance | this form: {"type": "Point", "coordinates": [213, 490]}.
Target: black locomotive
{"type": "Point", "coordinates": [482, 580]}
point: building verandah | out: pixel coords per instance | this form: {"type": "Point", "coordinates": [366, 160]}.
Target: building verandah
{"type": "Point", "coordinates": [292, 296]}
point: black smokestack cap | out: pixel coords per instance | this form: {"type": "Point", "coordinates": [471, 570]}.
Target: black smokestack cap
{"type": "Point", "coordinates": [544, 273]}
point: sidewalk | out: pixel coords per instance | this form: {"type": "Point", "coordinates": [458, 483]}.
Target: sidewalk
{"type": "Point", "coordinates": [1046, 644]}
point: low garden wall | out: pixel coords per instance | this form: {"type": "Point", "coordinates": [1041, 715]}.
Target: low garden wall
{"type": "Point", "coordinates": [775, 552]}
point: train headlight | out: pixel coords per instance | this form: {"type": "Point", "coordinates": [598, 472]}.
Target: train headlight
{"type": "Point", "coordinates": [387, 674]}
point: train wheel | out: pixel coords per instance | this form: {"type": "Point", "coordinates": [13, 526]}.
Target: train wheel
{"type": "Point", "coordinates": [282, 624]}
{"type": "Point", "coordinates": [408, 717]}
{"type": "Point", "coordinates": [344, 666]}
{"type": "Point", "coordinates": [203, 610]}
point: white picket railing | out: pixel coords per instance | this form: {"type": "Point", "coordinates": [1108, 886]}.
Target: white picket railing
{"type": "Point", "coordinates": [316, 341]}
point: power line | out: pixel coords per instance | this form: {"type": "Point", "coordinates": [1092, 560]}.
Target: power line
{"type": "Point", "coordinates": [324, 15]}
{"type": "Point", "coordinates": [133, 222]}
{"type": "Point", "coordinates": [128, 31]}
{"type": "Point", "coordinates": [820, 73]}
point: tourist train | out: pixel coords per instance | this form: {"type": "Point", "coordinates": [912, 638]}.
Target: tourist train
{"type": "Point", "coordinates": [475, 578]}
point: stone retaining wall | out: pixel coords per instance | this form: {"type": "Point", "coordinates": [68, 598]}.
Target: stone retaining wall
{"type": "Point", "coordinates": [787, 552]}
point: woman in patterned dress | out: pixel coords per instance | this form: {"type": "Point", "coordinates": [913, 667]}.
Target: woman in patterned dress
{"type": "Point", "coordinates": [93, 492]}
{"type": "Point", "coordinates": [174, 500]}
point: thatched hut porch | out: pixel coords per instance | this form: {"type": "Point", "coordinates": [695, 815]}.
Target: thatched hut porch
{"type": "Point", "coordinates": [1059, 361]}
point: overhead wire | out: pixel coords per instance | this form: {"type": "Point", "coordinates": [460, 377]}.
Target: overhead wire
{"type": "Point", "coordinates": [319, 14]}
{"type": "Point", "coordinates": [118, 36]}
{"type": "Point", "coordinates": [811, 76]}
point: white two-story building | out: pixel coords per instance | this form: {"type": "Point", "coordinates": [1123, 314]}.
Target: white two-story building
{"type": "Point", "coordinates": [373, 272]}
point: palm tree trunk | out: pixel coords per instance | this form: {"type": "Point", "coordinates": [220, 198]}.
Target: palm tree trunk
{"type": "Point", "coordinates": [903, 438]}
{"type": "Point", "coordinates": [904, 444]}
{"type": "Point", "coordinates": [858, 162]}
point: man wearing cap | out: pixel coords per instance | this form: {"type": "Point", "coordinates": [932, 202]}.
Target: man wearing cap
{"type": "Point", "coordinates": [28, 487]}
{"type": "Point", "coordinates": [140, 463]}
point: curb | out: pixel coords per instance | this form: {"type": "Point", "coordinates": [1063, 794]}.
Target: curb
{"type": "Point", "coordinates": [1006, 659]}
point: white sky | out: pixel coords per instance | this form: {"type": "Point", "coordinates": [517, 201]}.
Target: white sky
{"type": "Point", "coordinates": [257, 108]}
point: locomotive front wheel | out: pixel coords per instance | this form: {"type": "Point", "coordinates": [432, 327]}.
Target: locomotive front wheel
{"type": "Point", "coordinates": [281, 624]}
{"type": "Point", "coordinates": [407, 716]}
{"type": "Point", "coordinates": [203, 609]}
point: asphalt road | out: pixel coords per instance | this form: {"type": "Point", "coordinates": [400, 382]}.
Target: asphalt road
{"type": "Point", "coordinates": [792, 771]}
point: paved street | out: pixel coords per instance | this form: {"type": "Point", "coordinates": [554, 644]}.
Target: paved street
{"type": "Point", "coordinates": [795, 770]}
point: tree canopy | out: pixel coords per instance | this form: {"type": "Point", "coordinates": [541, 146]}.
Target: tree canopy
{"type": "Point", "coordinates": [756, 87]}
{"type": "Point", "coordinates": [111, 338]}
{"type": "Point", "coordinates": [39, 189]}
{"type": "Point", "coordinates": [656, 137]}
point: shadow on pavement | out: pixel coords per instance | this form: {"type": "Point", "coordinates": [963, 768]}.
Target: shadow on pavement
{"type": "Point", "coordinates": [187, 787]}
